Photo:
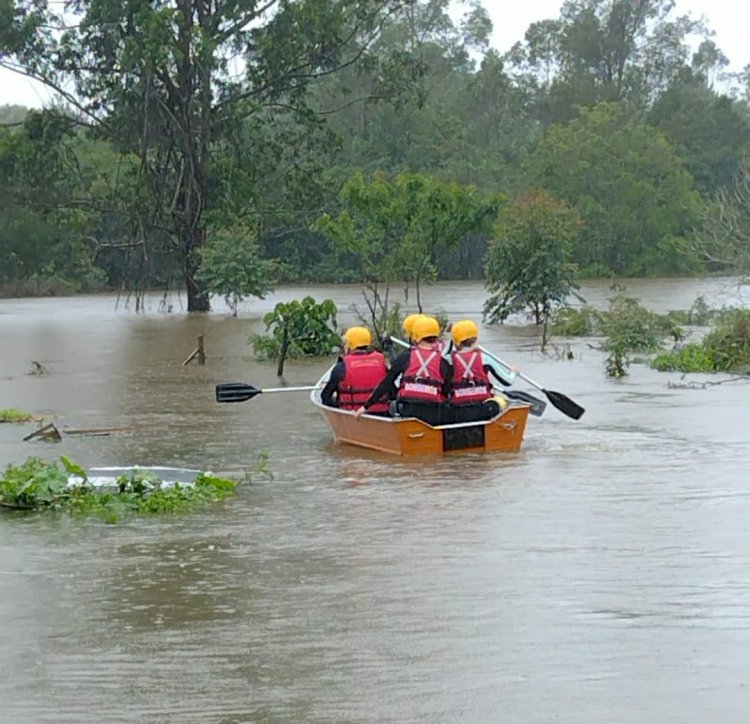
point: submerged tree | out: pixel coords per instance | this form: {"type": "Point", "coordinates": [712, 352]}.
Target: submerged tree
{"type": "Point", "coordinates": [529, 261]}
{"type": "Point", "coordinates": [231, 265]}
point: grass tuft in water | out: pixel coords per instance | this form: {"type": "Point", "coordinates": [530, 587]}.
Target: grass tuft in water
{"type": "Point", "coordinates": [13, 414]}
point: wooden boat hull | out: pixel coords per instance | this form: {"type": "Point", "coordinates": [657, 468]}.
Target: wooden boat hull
{"type": "Point", "coordinates": [408, 436]}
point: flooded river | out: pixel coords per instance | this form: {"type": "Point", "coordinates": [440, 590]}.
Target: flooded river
{"type": "Point", "coordinates": [600, 575]}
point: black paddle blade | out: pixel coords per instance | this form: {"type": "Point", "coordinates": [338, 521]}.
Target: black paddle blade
{"type": "Point", "coordinates": [537, 406]}
{"type": "Point", "coordinates": [235, 392]}
{"type": "Point", "coordinates": [564, 404]}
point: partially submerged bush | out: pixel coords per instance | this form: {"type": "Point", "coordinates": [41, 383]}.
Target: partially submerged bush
{"type": "Point", "coordinates": [629, 327]}
{"type": "Point", "coordinates": [724, 349]}
{"type": "Point", "coordinates": [571, 322]}
{"type": "Point", "coordinates": [40, 485]}
{"type": "Point", "coordinates": [298, 329]}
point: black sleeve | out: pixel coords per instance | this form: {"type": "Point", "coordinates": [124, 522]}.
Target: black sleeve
{"type": "Point", "coordinates": [490, 370]}
{"type": "Point", "coordinates": [446, 369]}
{"type": "Point", "coordinates": [388, 386]}
{"type": "Point", "coordinates": [337, 374]}
{"type": "Point", "coordinates": [388, 349]}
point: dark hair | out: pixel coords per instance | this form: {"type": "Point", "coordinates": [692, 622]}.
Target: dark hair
{"type": "Point", "coordinates": [432, 338]}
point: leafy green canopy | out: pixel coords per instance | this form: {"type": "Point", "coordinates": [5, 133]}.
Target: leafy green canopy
{"type": "Point", "coordinates": [172, 81]}
{"type": "Point", "coordinates": [528, 261]}
{"type": "Point", "coordinates": [232, 266]}
{"type": "Point", "coordinates": [634, 197]}
{"type": "Point", "coordinates": [298, 329]}
{"type": "Point", "coordinates": [395, 227]}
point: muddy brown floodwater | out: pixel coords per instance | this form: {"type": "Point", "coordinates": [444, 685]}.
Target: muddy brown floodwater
{"type": "Point", "coordinates": [600, 575]}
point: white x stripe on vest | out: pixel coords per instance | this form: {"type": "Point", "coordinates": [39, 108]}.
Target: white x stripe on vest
{"type": "Point", "coordinates": [468, 374]}
{"type": "Point", "coordinates": [423, 371]}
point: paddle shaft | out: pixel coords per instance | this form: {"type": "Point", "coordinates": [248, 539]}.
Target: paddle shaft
{"type": "Point", "coordinates": [289, 389]}
{"type": "Point", "coordinates": [561, 402]}
{"type": "Point", "coordinates": [240, 392]}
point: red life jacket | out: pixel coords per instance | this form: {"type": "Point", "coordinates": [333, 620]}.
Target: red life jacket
{"type": "Point", "coordinates": [363, 372]}
{"type": "Point", "coordinates": [423, 380]}
{"type": "Point", "coordinates": [470, 383]}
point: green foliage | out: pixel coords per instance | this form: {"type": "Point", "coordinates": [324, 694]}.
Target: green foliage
{"type": "Point", "coordinates": [576, 322]}
{"type": "Point", "coordinates": [159, 80]}
{"type": "Point", "coordinates": [725, 348]}
{"type": "Point", "coordinates": [13, 414]}
{"type": "Point", "coordinates": [231, 265]}
{"type": "Point", "coordinates": [637, 211]}
{"type": "Point", "coordinates": [629, 327]}
{"type": "Point", "coordinates": [40, 485]}
{"type": "Point", "coordinates": [298, 329]}
{"type": "Point", "coordinates": [394, 228]}
{"type": "Point", "coordinates": [35, 484]}
{"type": "Point", "coordinates": [528, 263]}
{"type": "Point", "coordinates": [688, 358]}
{"type": "Point", "coordinates": [608, 106]}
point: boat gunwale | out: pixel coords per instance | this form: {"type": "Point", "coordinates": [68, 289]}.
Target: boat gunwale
{"type": "Point", "coordinates": [315, 399]}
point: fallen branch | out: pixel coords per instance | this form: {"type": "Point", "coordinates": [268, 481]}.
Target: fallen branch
{"type": "Point", "coordinates": [48, 433]}
{"type": "Point", "coordinates": [694, 385]}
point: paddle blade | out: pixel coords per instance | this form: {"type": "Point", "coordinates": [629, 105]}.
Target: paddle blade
{"type": "Point", "coordinates": [564, 404]}
{"type": "Point", "coordinates": [235, 392]}
{"type": "Point", "coordinates": [537, 406]}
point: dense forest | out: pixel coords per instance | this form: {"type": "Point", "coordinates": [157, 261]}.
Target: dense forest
{"type": "Point", "coordinates": [213, 144]}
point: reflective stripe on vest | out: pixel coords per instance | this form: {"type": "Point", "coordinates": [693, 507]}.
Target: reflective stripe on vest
{"type": "Point", "coordinates": [362, 374]}
{"type": "Point", "coordinates": [470, 383]}
{"type": "Point", "coordinates": [423, 380]}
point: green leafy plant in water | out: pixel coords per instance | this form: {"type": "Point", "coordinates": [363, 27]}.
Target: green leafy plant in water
{"type": "Point", "coordinates": [34, 484]}
{"type": "Point", "coordinates": [629, 327]}
{"type": "Point", "coordinates": [39, 485]}
{"type": "Point", "coordinates": [572, 322]}
{"type": "Point", "coordinates": [689, 358]}
{"type": "Point", "coordinates": [298, 329]}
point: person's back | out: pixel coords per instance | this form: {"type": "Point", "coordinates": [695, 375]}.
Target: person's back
{"type": "Point", "coordinates": [364, 370]}
{"type": "Point", "coordinates": [470, 395]}
{"type": "Point", "coordinates": [424, 377]}
{"type": "Point", "coordinates": [357, 373]}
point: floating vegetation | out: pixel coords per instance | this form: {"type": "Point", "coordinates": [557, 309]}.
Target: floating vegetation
{"type": "Point", "coordinates": [13, 414]}
{"type": "Point", "coordinates": [41, 485]}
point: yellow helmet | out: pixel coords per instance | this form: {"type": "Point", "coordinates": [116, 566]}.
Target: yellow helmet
{"type": "Point", "coordinates": [408, 324]}
{"type": "Point", "coordinates": [425, 327]}
{"type": "Point", "coordinates": [355, 337]}
{"type": "Point", "coordinates": [463, 330]}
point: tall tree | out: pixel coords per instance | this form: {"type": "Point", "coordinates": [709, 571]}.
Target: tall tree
{"type": "Point", "coordinates": [710, 131]}
{"type": "Point", "coordinates": [170, 78]}
{"type": "Point", "coordinates": [603, 50]}
{"type": "Point", "coordinates": [635, 198]}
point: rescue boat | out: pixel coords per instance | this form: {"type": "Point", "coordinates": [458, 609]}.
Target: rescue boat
{"type": "Point", "coordinates": [409, 436]}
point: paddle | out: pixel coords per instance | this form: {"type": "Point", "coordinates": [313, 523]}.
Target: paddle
{"type": "Point", "coordinates": [561, 402]}
{"type": "Point", "coordinates": [239, 391]}
{"type": "Point", "coordinates": [537, 406]}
